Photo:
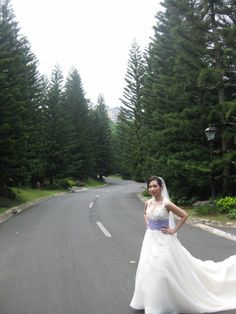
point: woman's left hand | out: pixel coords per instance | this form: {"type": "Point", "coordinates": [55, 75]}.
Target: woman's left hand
{"type": "Point", "coordinates": [168, 230]}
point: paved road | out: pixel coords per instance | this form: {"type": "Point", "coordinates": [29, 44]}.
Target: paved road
{"type": "Point", "coordinates": [74, 254]}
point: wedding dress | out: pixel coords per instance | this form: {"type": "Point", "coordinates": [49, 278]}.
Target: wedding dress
{"type": "Point", "coordinates": [170, 280]}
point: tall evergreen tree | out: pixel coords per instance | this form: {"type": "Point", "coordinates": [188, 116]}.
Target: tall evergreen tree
{"type": "Point", "coordinates": [18, 88]}
{"type": "Point", "coordinates": [102, 139]}
{"type": "Point", "coordinates": [38, 135]}
{"type": "Point", "coordinates": [55, 143]}
{"type": "Point", "coordinates": [218, 77]}
{"type": "Point", "coordinates": [81, 158]}
{"type": "Point", "coordinates": [173, 130]}
{"type": "Point", "coordinates": [177, 107]}
{"type": "Point", "coordinates": [131, 115]}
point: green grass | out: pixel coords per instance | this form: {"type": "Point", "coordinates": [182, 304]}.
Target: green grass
{"type": "Point", "coordinates": [24, 195]}
{"type": "Point", "coordinates": [217, 217]}
{"type": "Point", "coordinates": [90, 182]}
{"type": "Point", "coordinates": [115, 176]}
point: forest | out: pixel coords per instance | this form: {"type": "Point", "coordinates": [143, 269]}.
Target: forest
{"type": "Point", "coordinates": [183, 83]}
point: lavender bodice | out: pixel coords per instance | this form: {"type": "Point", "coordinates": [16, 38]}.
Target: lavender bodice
{"type": "Point", "coordinates": [157, 215]}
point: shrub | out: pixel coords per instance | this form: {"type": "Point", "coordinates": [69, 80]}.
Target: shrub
{"type": "Point", "coordinates": [183, 201]}
{"type": "Point", "coordinates": [225, 204]}
{"type": "Point", "coordinates": [66, 183]}
{"type": "Point", "coordinates": [146, 193]}
{"type": "Point", "coordinates": [232, 213]}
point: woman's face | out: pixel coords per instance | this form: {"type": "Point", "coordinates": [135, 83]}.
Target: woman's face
{"type": "Point", "coordinates": [154, 188]}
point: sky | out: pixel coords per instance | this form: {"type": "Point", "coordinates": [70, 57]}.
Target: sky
{"type": "Point", "coordinates": [93, 36]}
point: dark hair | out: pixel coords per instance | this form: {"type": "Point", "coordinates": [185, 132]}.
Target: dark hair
{"type": "Point", "coordinates": [154, 178]}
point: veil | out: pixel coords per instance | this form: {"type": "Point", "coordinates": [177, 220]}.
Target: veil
{"type": "Point", "coordinates": [165, 195]}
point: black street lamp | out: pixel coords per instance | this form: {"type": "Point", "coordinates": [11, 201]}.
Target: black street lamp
{"type": "Point", "coordinates": [210, 134]}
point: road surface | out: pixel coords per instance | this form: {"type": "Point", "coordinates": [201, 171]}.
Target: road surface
{"type": "Point", "coordinates": [77, 253]}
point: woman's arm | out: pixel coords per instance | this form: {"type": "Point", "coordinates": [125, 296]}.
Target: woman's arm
{"type": "Point", "coordinates": [178, 212]}
{"type": "Point", "coordinates": [145, 215]}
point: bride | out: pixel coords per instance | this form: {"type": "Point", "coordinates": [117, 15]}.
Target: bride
{"type": "Point", "coordinates": [169, 280]}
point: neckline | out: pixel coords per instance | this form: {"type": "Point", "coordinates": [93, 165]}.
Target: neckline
{"type": "Point", "coordinates": [159, 202]}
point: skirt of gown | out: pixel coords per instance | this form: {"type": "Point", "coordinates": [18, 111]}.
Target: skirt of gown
{"type": "Point", "coordinates": [170, 280]}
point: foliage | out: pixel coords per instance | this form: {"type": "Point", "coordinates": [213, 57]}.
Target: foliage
{"type": "Point", "coordinates": [145, 193]}
{"type": "Point", "coordinates": [186, 85]}
{"type": "Point", "coordinates": [91, 182]}
{"type": "Point", "coordinates": [18, 98]}
{"type": "Point", "coordinates": [232, 213]}
{"type": "Point", "coordinates": [226, 204]}
{"type": "Point", "coordinates": [101, 139]}
{"type": "Point", "coordinates": [54, 130]}
{"type": "Point", "coordinates": [46, 129]}
{"type": "Point", "coordinates": [129, 139]}
{"type": "Point", "coordinates": [66, 183]}
{"type": "Point", "coordinates": [80, 161]}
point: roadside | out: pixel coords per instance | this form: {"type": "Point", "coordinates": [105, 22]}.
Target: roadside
{"type": "Point", "coordinates": [225, 229]}
{"type": "Point", "coordinates": [26, 201]}
{"type": "Point", "coordinates": [17, 209]}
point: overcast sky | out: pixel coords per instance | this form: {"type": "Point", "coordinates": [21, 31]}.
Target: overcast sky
{"type": "Point", "coordinates": [94, 36]}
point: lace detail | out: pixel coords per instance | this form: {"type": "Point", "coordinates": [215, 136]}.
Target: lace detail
{"type": "Point", "coordinates": [157, 211]}
{"type": "Point", "coordinates": [156, 247]}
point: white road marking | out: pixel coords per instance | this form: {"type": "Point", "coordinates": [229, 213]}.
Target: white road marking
{"type": "Point", "coordinates": [132, 262]}
{"type": "Point", "coordinates": [103, 229]}
{"type": "Point", "coordinates": [91, 205]}
{"type": "Point", "coordinates": [216, 231]}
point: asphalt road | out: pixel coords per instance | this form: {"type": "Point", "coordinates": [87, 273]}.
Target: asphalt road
{"type": "Point", "coordinates": [77, 253]}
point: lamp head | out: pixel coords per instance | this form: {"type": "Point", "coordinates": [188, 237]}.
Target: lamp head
{"type": "Point", "coordinates": [210, 133]}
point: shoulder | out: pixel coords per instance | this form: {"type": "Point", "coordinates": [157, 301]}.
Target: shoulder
{"type": "Point", "coordinates": [148, 202]}
{"type": "Point", "coordinates": [166, 202]}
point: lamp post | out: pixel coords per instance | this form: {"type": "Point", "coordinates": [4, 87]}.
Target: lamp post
{"type": "Point", "coordinates": [210, 134]}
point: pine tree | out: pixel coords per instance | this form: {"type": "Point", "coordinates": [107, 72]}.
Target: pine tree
{"type": "Point", "coordinates": [81, 158]}
{"type": "Point", "coordinates": [55, 135]}
{"type": "Point", "coordinates": [172, 129]}
{"type": "Point", "coordinates": [218, 77]}
{"type": "Point", "coordinates": [131, 115]}
{"type": "Point", "coordinates": [38, 135]}
{"type": "Point", "coordinates": [18, 89]}
{"type": "Point", "coordinates": [180, 94]}
{"type": "Point", "coordinates": [102, 139]}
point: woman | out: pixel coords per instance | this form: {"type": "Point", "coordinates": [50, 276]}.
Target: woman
{"type": "Point", "coordinates": [169, 280]}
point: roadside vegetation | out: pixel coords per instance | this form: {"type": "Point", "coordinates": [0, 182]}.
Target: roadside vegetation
{"type": "Point", "coordinates": [222, 209]}
{"type": "Point", "coordinates": [27, 194]}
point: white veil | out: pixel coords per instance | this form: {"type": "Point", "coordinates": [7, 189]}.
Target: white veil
{"type": "Point", "coordinates": [165, 195]}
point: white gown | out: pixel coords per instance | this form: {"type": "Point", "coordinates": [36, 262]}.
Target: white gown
{"type": "Point", "coordinates": [170, 280]}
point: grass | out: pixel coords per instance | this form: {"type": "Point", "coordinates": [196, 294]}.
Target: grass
{"type": "Point", "coordinates": [217, 217]}
{"type": "Point", "coordinates": [115, 176]}
{"type": "Point", "coordinates": [90, 183]}
{"type": "Point", "coordinates": [26, 194]}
